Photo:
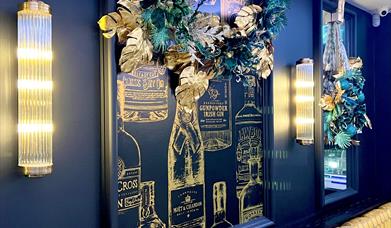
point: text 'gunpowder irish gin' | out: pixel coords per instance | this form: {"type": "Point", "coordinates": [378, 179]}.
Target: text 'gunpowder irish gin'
{"type": "Point", "coordinates": [216, 116]}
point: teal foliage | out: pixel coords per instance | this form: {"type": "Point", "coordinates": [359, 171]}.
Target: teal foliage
{"type": "Point", "coordinates": [274, 19]}
{"type": "Point", "coordinates": [348, 118]}
{"type": "Point", "coordinates": [160, 39]}
{"type": "Point", "coordinates": [168, 23]}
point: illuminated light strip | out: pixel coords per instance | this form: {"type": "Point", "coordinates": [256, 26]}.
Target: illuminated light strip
{"type": "Point", "coordinates": [32, 128]}
{"type": "Point", "coordinates": [34, 84]}
{"type": "Point", "coordinates": [33, 54]}
{"type": "Point", "coordinates": [303, 121]}
{"type": "Point", "coordinates": [305, 84]}
{"type": "Point", "coordinates": [305, 99]}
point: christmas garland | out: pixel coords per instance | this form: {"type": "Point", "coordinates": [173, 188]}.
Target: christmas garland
{"type": "Point", "coordinates": [194, 44]}
{"type": "Point", "coordinates": [343, 101]}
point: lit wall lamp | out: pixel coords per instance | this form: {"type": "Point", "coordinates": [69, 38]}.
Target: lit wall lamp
{"type": "Point", "coordinates": [305, 101]}
{"type": "Point", "coordinates": [35, 128]}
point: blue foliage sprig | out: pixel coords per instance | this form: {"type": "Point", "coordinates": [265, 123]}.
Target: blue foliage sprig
{"type": "Point", "coordinates": [343, 102]}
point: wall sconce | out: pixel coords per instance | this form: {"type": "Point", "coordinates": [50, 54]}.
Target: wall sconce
{"type": "Point", "coordinates": [305, 101]}
{"type": "Point", "coordinates": [35, 128]}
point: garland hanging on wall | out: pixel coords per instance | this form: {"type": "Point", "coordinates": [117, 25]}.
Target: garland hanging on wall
{"type": "Point", "coordinates": [194, 44]}
{"type": "Point", "coordinates": [343, 101]}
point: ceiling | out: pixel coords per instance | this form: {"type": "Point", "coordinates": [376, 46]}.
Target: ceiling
{"type": "Point", "coordinates": [371, 6]}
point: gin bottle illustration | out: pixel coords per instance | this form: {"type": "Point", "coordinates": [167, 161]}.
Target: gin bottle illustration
{"type": "Point", "coordinates": [129, 173]}
{"type": "Point", "coordinates": [215, 115]}
{"type": "Point", "coordinates": [145, 93]}
{"type": "Point", "coordinates": [186, 197]}
{"type": "Point", "coordinates": [248, 122]}
{"type": "Point", "coordinates": [219, 205]}
{"type": "Point", "coordinates": [251, 197]}
{"type": "Point", "coordinates": [147, 213]}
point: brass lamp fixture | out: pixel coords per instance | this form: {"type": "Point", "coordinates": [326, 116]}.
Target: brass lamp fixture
{"type": "Point", "coordinates": [305, 101]}
{"type": "Point", "coordinates": [35, 86]}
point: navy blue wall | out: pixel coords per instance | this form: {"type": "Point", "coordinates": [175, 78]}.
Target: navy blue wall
{"type": "Point", "coordinates": [383, 104]}
{"type": "Point", "coordinates": [292, 164]}
{"type": "Point", "coordinates": [70, 196]}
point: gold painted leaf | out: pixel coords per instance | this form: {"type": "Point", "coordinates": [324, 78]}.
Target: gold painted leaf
{"type": "Point", "coordinates": [176, 60]}
{"type": "Point", "coordinates": [266, 61]}
{"type": "Point", "coordinates": [246, 19]}
{"type": "Point", "coordinates": [339, 94]}
{"type": "Point", "coordinates": [129, 4]}
{"type": "Point", "coordinates": [356, 63]}
{"type": "Point", "coordinates": [109, 23]}
{"type": "Point", "coordinates": [327, 103]}
{"type": "Point", "coordinates": [207, 30]}
{"type": "Point", "coordinates": [138, 51]}
{"type": "Point", "coordinates": [122, 22]}
{"type": "Point", "coordinates": [192, 85]}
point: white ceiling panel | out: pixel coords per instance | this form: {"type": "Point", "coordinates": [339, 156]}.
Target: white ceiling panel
{"type": "Point", "coordinates": [372, 6]}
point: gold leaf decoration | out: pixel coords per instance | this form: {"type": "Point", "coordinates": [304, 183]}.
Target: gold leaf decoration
{"type": "Point", "coordinates": [122, 22]}
{"type": "Point", "coordinates": [109, 24]}
{"type": "Point", "coordinates": [356, 63]}
{"type": "Point", "coordinates": [192, 85]}
{"type": "Point", "coordinates": [339, 93]}
{"type": "Point", "coordinates": [207, 30]}
{"type": "Point", "coordinates": [246, 19]}
{"type": "Point", "coordinates": [176, 60]}
{"type": "Point", "coordinates": [138, 51]}
{"type": "Point", "coordinates": [266, 61]}
{"type": "Point", "coordinates": [327, 103]}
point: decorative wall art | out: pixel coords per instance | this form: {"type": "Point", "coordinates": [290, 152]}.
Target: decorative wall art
{"type": "Point", "coordinates": [183, 72]}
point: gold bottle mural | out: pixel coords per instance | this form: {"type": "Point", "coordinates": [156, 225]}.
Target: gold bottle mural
{"type": "Point", "coordinates": [216, 115]}
{"type": "Point", "coordinates": [129, 170]}
{"type": "Point", "coordinates": [251, 197]}
{"type": "Point", "coordinates": [148, 217]}
{"type": "Point", "coordinates": [145, 93]}
{"type": "Point", "coordinates": [248, 122]}
{"type": "Point", "coordinates": [220, 205]}
{"type": "Point", "coordinates": [186, 189]}
{"type": "Point", "coordinates": [129, 177]}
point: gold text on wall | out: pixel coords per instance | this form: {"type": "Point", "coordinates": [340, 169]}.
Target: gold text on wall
{"type": "Point", "coordinates": [305, 101]}
{"type": "Point", "coordinates": [35, 127]}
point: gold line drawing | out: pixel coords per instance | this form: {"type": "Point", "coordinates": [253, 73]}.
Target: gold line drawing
{"type": "Point", "coordinates": [148, 217]}
{"type": "Point", "coordinates": [144, 93]}
{"type": "Point", "coordinates": [251, 197]}
{"type": "Point", "coordinates": [186, 180]}
{"type": "Point", "coordinates": [220, 205]}
{"type": "Point", "coordinates": [129, 171]}
{"type": "Point", "coordinates": [248, 123]}
{"type": "Point", "coordinates": [215, 119]}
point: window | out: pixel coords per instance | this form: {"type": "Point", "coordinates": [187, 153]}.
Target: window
{"type": "Point", "coordinates": [339, 165]}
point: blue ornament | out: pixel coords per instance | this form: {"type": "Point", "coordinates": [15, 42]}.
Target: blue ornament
{"type": "Point", "coordinates": [345, 85]}
{"type": "Point", "coordinates": [351, 130]}
{"type": "Point", "coordinates": [361, 98]}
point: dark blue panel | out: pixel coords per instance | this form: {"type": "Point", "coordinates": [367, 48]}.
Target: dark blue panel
{"type": "Point", "coordinates": [292, 164]}
{"type": "Point", "coordinates": [70, 196]}
{"type": "Point", "coordinates": [383, 104]}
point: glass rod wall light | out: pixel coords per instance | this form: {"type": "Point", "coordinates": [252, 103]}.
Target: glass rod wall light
{"type": "Point", "coordinates": [305, 101]}
{"type": "Point", "coordinates": [35, 87]}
